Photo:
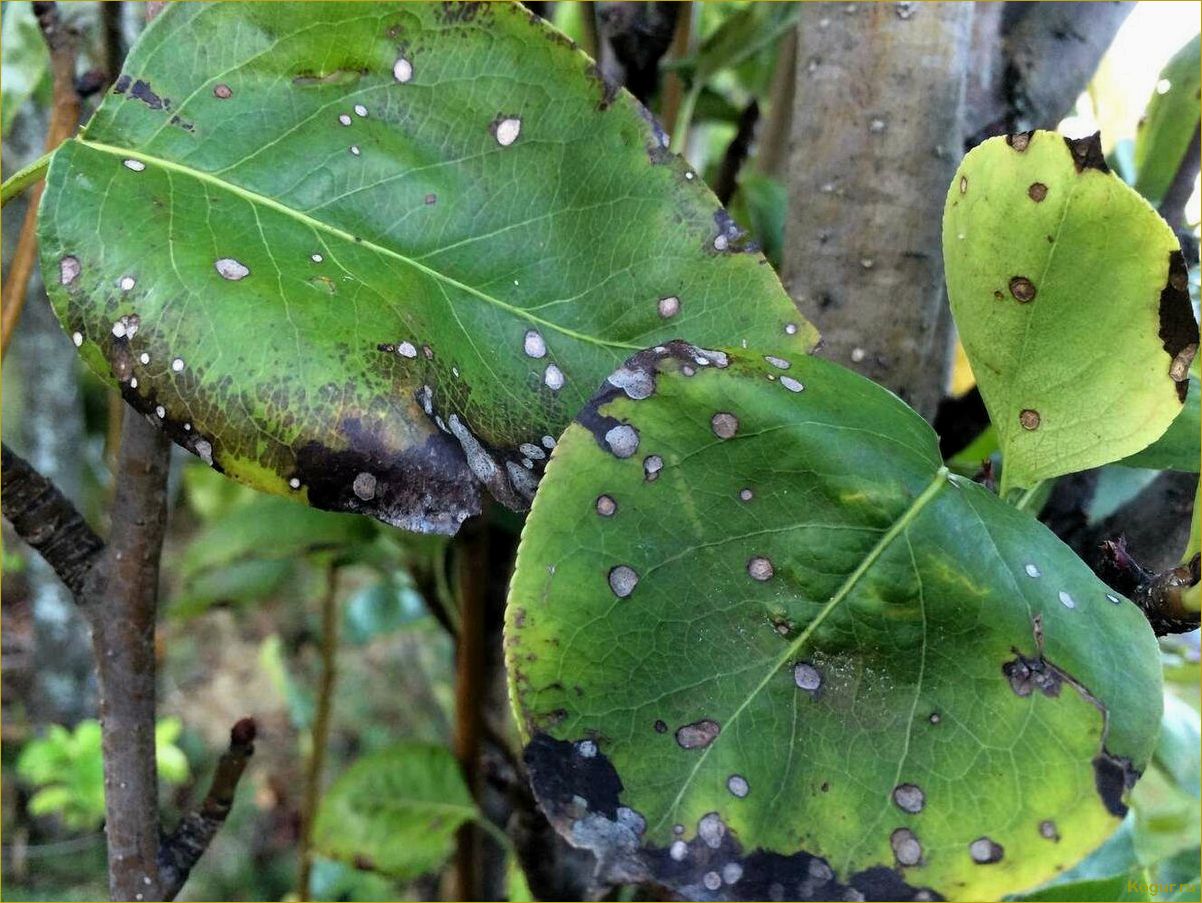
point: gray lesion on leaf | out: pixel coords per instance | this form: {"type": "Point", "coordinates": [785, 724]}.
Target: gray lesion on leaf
{"type": "Point", "coordinates": [580, 791]}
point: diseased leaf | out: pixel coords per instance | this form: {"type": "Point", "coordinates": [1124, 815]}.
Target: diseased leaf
{"type": "Point", "coordinates": [1169, 122]}
{"type": "Point", "coordinates": [762, 646]}
{"type": "Point", "coordinates": [1070, 294]}
{"type": "Point", "coordinates": [395, 811]}
{"type": "Point", "coordinates": [357, 254]}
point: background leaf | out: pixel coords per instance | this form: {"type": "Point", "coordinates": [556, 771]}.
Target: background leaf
{"type": "Point", "coordinates": [1169, 122]}
{"type": "Point", "coordinates": [395, 811]}
{"type": "Point", "coordinates": [1070, 294]}
{"type": "Point", "coordinates": [758, 628]}
{"type": "Point", "coordinates": [367, 255]}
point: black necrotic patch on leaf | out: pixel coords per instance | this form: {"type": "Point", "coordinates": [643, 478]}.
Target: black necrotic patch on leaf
{"type": "Point", "coordinates": [1087, 153]}
{"type": "Point", "coordinates": [1113, 777]}
{"type": "Point", "coordinates": [1178, 329]}
{"type": "Point", "coordinates": [580, 791]}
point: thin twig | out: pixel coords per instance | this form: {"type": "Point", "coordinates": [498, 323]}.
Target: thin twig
{"type": "Point", "coordinates": [64, 117]}
{"type": "Point", "coordinates": [727, 179]}
{"type": "Point", "coordinates": [43, 517]}
{"type": "Point", "coordinates": [320, 736]}
{"type": "Point", "coordinates": [122, 617]}
{"type": "Point", "coordinates": [179, 852]}
{"type": "Point", "coordinates": [470, 666]}
{"type": "Point", "coordinates": [673, 90]}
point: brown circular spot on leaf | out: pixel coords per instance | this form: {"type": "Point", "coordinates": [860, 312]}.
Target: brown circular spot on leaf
{"type": "Point", "coordinates": [1037, 192]}
{"type": "Point", "coordinates": [999, 296]}
{"type": "Point", "coordinates": [223, 92]}
{"type": "Point", "coordinates": [1022, 288]}
{"type": "Point", "coordinates": [963, 184]}
{"type": "Point", "coordinates": [1029, 419]}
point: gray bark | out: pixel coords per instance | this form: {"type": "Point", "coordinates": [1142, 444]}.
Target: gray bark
{"type": "Point", "coordinates": [876, 138]}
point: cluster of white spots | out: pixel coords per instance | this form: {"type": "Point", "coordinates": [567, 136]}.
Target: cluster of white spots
{"type": "Point", "coordinates": [231, 269]}
{"type": "Point", "coordinates": [760, 568]}
{"type": "Point", "coordinates": [652, 465]}
{"type": "Point", "coordinates": [678, 851]}
{"type": "Point", "coordinates": [77, 338]}
{"type": "Point", "coordinates": [530, 450]}
{"type": "Point", "coordinates": [507, 131]}
{"type": "Point", "coordinates": [1066, 600]}
{"type": "Point", "coordinates": [711, 830]}
{"type": "Point", "coordinates": [127, 326]}
{"type": "Point", "coordinates": [906, 848]}
{"type": "Point", "coordinates": [533, 344]}
{"type": "Point", "coordinates": [637, 384]}
{"type": "Point", "coordinates": [178, 364]}
{"type": "Point", "coordinates": [778, 362]}
{"type": "Point", "coordinates": [858, 355]}
{"type": "Point", "coordinates": [806, 676]}
{"type": "Point", "coordinates": [792, 384]}
{"type": "Point", "coordinates": [724, 424]}
{"type": "Point", "coordinates": [984, 851]}
{"type": "Point", "coordinates": [344, 119]}
{"type": "Point", "coordinates": [711, 880]}
{"type": "Point", "coordinates": [790, 329]}
{"type": "Point", "coordinates": [402, 70]}
{"type": "Point", "coordinates": [355, 150]}
{"type": "Point", "coordinates": [669, 306]}
{"type": "Point", "coordinates": [623, 440]}
{"type": "Point", "coordinates": [204, 451]}
{"type": "Point", "coordinates": [697, 735]}
{"type": "Point", "coordinates": [553, 378]}
{"type": "Point", "coordinates": [127, 283]}
{"type": "Point", "coordinates": [144, 357]}
{"type": "Point", "coordinates": [135, 165]}
{"type": "Point", "coordinates": [360, 110]}
{"type": "Point", "coordinates": [1032, 570]}
{"type": "Point", "coordinates": [364, 486]}
{"type": "Point", "coordinates": [606, 506]}
{"type": "Point", "coordinates": [909, 798]}
{"type": "Point", "coordinates": [623, 580]}
{"type": "Point", "coordinates": [1113, 598]}
{"type": "Point", "coordinates": [746, 495]}
{"type": "Point", "coordinates": [294, 482]}
{"type": "Point", "coordinates": [586, 748]}
{"type": "Point", "coordinates": [738, 786]}
{"type": "Point", "coordinates": [68, 269]}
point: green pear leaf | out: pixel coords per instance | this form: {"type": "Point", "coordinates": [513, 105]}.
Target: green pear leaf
{"type": "Point", "coordinates": [761, 645]}
{"type": "Point", "coordinates": [395, 811]}
{"type": "Point", "coordinates": [1169, 122]}
{"type": "Point", "coordinates": [373, 256]}
{"type": "Point", "coordinates": [1070, 294]}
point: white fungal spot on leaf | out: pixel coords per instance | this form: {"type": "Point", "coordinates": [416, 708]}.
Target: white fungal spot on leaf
{"type": "Point", "coordinates": [178, 364]}
{"type": "Point", "coordinates": [746, 495]}
{"type": "Point", "coordinates": [364, 486]}
{"type": "Point", "coordinates": [760, 568]}
{"type": "Point", "coordinates": [406, 349]}
{"type": "Point", "coordinates": [507, 131]}
{"type": "Point", "coordinates": [669, 306]}
{"type": "Point", "coordinates": [344, 119]}
{"type": "Point", "coordinates": [1032, 570]}
{"type": "Point", "coordinates": [316, 258]}
{"type": "Point", "coordinates": [906, 848]}
{"type": "Point", "coordinates": [586, 749]}
{"type": "Point", "coordinates": [204, 450]}
{"type": "Point", "coordinates": [622, 580]}
{"type": "Point", "coordinates": [806, 676]}
{"type": "Point", "coordinates": [135, 165]}
{"type": "Point", "coordinates": [637, 384]}
{"type": "Point", "coordinates": [984, 851]}
{"type": "Point", "coordinates": [133, 382]}
{"type": "Point", "coordinates": [623, 440]}
{"type": "Point", "coordinates": [360, 110]}
{"type": "Point", "coordinates": [711, 880]}
{"type": "Point", "coordinates": [68, 270]}
{"type": "Point", "coordinates": [77, 338]}
{"type": "Point", "coordinates": [530, 450]}
{"type": "Point", "coordinates": [160, 411]}
{"type": "Point", "coordinates": [652, 465]}
{"type": "Point", "coordinates": [790, 329]}
{"type": "Point", "coordinates": [355, 149]}
{"type": "Point", "coordinates": [533, 344]}
{"type": "Point", "coordinates": [1066, 600]}
{"type": "Point", "coordinates": [548, 442]}
{"type": "Point", "coordinates": [909, 798]}
{"type": "Point", "coordinates": [294, 482]}
{"type": "Point", "coordinates": [231, 269]}
{"type": "Point", "coordinates": [144, 358]}
{"type": "Point", "coordinates": [791, 384]}
{"type": "Point", "coordinates": [711, 830]}
{"type": "Point", "coordinates": [779, 362]}
{"type": "Point", "coordinates": [679, 851]}
{"type": "Point", "coordinates": [738, 786]}
{"type": "Point", "coordinates": [606, 506]}
{"type": "Point", "coordinates": [402, 70]}
{"type": "Point", "coordinates": [553, 378]}
{"type": "Point", "coordinates": [724, 424]}
{"type": "Point", "coordinates": [732, 872]}
{"type": "Point", "coordinates": [127, 283]}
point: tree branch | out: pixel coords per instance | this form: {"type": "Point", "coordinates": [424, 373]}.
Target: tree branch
{"type": "Point", "coordinates": [46, 519]}
{"type": "Point", "coordinates": [64, 117]}
{"type": "Point", "coordinates": [123, 620]}
{"type": "Point", "coordinates": [1172, 205]}
{"type": "Point", "coordinates": [180, 851]}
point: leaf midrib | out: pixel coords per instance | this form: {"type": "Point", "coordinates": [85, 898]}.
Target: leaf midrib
{"type": "Point", "coordinates": [317, 225]}
{"type": "Point", "coordinates": [907, 517]}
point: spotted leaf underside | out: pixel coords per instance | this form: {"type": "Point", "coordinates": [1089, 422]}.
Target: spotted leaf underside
{"type": "Point", "coordinates": [762, 646]}
{"type": "Point", "coordinates": [374, 255]}
{"type": "Point", "coordinates": [1071, 297]}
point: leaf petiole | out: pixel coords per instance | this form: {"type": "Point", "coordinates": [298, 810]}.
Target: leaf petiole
{"type": "Point", "coordinates": [24, 177]}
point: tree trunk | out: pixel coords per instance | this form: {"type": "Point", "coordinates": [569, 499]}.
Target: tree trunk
{"type": "Point", "coordinates": [876, 139]}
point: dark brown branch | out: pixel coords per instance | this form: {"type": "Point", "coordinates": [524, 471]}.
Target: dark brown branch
{"type": "Point", "coordinates": [736, 154]}
{"type": "Point", "coordinates": [1158, 595]}
{"type": "Point", "coordinates": [639, 34]}
{"type": "Point", "coordinates": [111, 13]}
{"type": "Point", "coordinates": [64, 117]}
{"type": "Point", "coordinates": [123, 621]}
{"type": "Point", "coordinates": [180, 851]}
{"type": "Point", "coordinates": [46, 519]}
{"type": "Point", "coordinates": [1172, 205]}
